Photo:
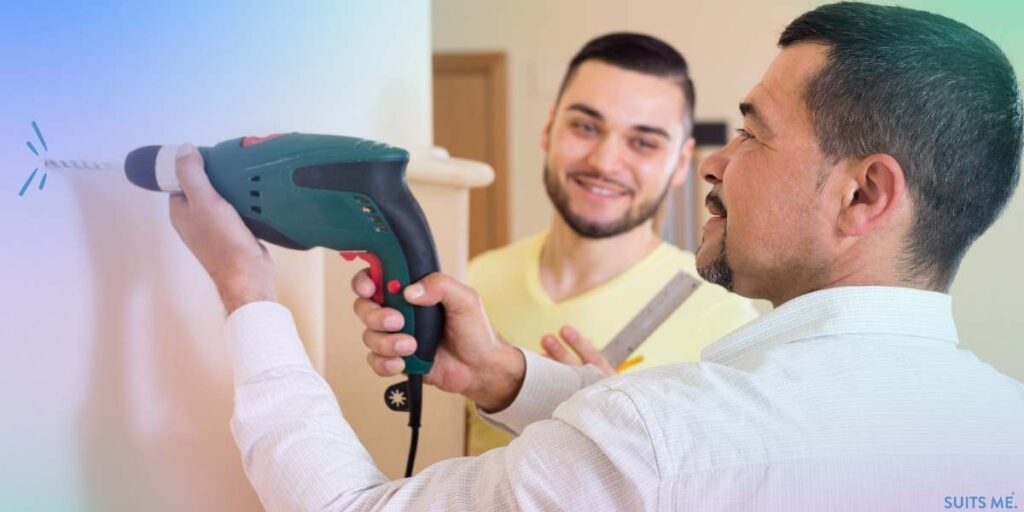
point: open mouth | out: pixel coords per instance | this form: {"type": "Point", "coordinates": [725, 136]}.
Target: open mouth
{"type": "Point", "coordinates": [714, 205]}
{"type": "Point", "coordinates": [601, 187]}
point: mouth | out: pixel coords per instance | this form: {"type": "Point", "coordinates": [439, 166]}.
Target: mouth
{"type": "Point", "coordinates": [601, 187]}
{"type": "Point", "coordinates": [714, 205]}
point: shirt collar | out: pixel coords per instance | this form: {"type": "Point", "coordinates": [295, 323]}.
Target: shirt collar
{"type": "Point", "coordinates": [848, 310]}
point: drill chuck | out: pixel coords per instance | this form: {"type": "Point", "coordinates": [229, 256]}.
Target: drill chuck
{"type": "Point", "coordinates": [152, 168]}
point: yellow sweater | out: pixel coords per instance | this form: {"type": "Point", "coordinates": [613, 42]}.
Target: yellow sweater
{"type": "Point", "coordinates": [521, 311]}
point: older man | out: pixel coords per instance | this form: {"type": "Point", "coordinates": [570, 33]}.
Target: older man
{"type": "Point", "coordinates": [879, 145]}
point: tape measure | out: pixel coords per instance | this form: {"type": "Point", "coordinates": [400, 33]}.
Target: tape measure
{"type": "Point", "coordinates": [657, 310]}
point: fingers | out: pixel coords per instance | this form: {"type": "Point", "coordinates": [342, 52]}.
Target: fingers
{"type": "Point", "coordinates": [389, 344]}
{"type": "Point", "coordinates": [556, 351]}
{"type": "Point", "coordinates": [377, 318]}
{"type": "Point", "coordinates": [188, 167]}
{"type": "Point", "coordinates": [579, 344]}
{"type": "Point", "coordinates": [387, 347]}
{"type": "Point", "coordinates": [586, 350]}
{"type": "Point", "coordinates": [385, 366]}
{"type": "Point", "coordinates": [363, 285]}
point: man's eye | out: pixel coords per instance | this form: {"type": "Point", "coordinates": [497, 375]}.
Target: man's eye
{"type": "Point", "coordinates": [645, 144]}
{"type": "Point", "coordinates": [743, 134]}
{"type": "Point", "coordinates": [587, 128]}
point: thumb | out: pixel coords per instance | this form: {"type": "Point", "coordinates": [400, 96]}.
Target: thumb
{"type": "Point", "coordinates": [436, 288]}
{"type": "Point", "coordinates": [188, 168]}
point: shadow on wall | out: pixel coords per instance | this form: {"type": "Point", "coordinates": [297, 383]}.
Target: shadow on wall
{"type": "Point", "coordinates": [153, 429]}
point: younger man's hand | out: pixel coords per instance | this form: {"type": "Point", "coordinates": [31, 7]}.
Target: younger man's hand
{"type": "Point", "coordinates": [583, 351]}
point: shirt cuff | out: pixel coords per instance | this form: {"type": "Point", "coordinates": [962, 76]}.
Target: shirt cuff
{"type": "Point", "coordinates": [262, 336]}
{"type": "Point", "coordinates": [546, 385]}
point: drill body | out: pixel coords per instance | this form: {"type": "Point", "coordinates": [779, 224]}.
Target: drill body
{"type": "Point", "coordinates": [343, 193]}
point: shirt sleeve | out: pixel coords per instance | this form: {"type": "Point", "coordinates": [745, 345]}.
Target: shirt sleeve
{"type": "Point", "coordinates": [546, 385]}
{"type": "Point", "coordinates": [299, 453]}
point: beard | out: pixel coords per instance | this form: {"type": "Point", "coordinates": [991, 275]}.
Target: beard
{"type": "Point", "coordinates": [718, 271]}
{"type": "Point", "coordinates": [588, 229]}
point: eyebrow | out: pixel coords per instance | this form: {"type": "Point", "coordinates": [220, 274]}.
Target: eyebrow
{"type": "Point", "coordinates": [592, 112]}
{"type": "Point", "coordinates": [750, 111]}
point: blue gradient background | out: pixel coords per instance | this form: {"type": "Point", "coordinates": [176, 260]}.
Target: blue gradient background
{"type": "Point", "coordinates": [114, 390]}
{"type": "Point", "coordinates": [101, 78]}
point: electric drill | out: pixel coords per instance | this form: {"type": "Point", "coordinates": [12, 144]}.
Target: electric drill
{"type": "Point", "coordinates": [348, 194]}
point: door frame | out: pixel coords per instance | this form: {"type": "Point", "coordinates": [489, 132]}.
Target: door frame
{"type": "Point", "coordinates": [494, 68]}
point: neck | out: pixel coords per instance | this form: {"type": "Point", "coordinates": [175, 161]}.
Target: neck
{"type": "Point", "coordinates": [863, 265]}
{"type": "Point", "coordinates": [571, 265]}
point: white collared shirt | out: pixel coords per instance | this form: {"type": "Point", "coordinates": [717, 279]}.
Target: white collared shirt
{"type": "Point", "coordinates": [842, 399]}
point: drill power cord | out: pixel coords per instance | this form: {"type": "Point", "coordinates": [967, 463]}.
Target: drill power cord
{"type": "Point", "coordinates": [407, 396]}
{"type": "Point", "coordinates": [415, 408]}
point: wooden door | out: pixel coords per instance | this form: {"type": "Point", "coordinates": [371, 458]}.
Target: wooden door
{"type": "Point", "coordinates": [470, 122]}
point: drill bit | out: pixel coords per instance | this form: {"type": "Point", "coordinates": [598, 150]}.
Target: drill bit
{"type": "Point", "coordinates": [78, 164]}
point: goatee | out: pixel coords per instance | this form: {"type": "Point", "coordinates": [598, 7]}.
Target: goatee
{"type": "Point", "coordinates": [587, 229]}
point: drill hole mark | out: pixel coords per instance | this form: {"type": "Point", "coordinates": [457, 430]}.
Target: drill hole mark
{"type": "Point", "coordinates": [376, 219]}
{"type": "Point", "coordinates": [254, 178]}
{"type": "Point", "coordinates": [254, 193]}
{"type": "Point", "coordinates": [256, 209]}
{"type": "Point", "coordinates": [367, 209]}
{"type": "Point", "coordinates": [362, 199]}
{"type": "Point", "coordinates": [380, 229]}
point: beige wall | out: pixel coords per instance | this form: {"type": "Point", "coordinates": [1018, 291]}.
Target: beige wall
{"type": "Point", "coordinates": [728, 45]}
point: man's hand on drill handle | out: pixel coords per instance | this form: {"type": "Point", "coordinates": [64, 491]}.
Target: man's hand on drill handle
{"type": "Point", "coordinates": [583, 351]}
{"type": "Point", "coordinates": [471, 359]}
{"type": "Point", "coordinates": [239, 265]}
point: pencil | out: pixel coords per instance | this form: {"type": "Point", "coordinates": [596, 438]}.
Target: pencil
{"type": "Point", "coordinates": [629, 363]}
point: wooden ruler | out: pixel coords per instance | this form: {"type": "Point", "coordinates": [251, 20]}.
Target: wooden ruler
{"type": "Point", "coordinates": [675, 292]}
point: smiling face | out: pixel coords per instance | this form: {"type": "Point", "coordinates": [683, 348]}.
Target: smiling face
{"type": "Point", "coordinates": [772, 231]}
{"type": "Point", "coordinates": [614, 146]}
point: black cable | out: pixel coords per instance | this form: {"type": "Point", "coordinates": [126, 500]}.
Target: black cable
{"type": "Point", "coordinates": [415, 408]}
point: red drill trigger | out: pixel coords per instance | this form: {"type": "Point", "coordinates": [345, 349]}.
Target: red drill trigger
{"type": "Point", "coordinates": [252, 141]}
{"type": "Point", "coordinates": [376, 271]}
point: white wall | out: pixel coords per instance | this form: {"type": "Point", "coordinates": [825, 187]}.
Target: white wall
{"type": "Point", "coordinates": [728, 44]}
{"type": "Point", "coordinates": [115, 389]}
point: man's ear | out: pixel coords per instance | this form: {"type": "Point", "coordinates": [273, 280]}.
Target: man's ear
{"type": "Point", "coordinates": [683, 165]}
{"type": "Point", "coordinates": [545, 133]}
{"type": "Point", "coordinates": [873, 192]}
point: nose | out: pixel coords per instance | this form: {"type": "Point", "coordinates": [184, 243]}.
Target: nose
{"type": "Point", "coordinates": [712, 168]}
{"type": "Point", "coordinates": [606, 155]}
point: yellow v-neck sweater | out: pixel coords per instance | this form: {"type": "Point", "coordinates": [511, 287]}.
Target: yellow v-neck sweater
{"type": "Point", "coordinates": [522, 312]}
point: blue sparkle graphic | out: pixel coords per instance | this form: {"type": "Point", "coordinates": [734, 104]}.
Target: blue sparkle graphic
{"type": "Point", "coordinates": [28, 182]}
{"type": "Point", "coordinates": [32, 148]}
{"type": "Point", "coordinates": [40, 135]}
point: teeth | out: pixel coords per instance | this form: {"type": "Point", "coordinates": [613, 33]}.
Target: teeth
{"type": "Point", "coordinates": [602, 191]}
{"type": "Point", "coordinates": [596, 190]}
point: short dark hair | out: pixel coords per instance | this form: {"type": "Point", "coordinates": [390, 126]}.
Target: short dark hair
{"type": "Point", "coordinates": [643, 54]}
{"type": "Point", "coordinates": [937, 96]}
